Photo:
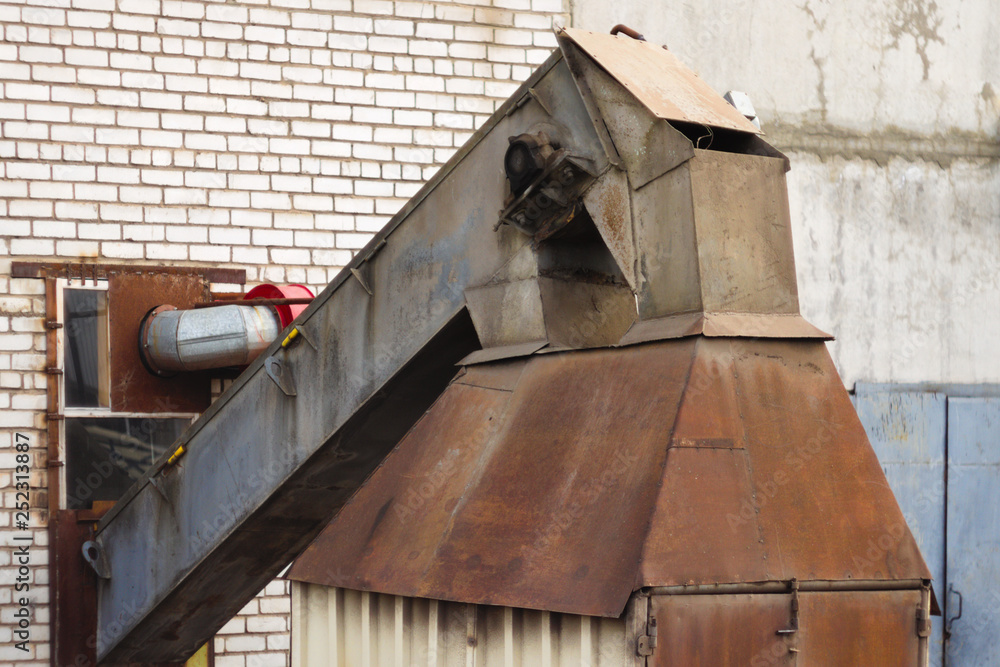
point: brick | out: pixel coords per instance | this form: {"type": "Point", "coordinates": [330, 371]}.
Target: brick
{"type": "Point", "coordinates": [121, 213]}
{"type": "Point", "coordinates": [187, 234]}
{"type": "Point", "coordinates": [256, 33]}
{"type": "Point", "coordinates": [270, 17]}
{"type": "Point", "coordinates": [54, 229]}
{"type": "Point", "coordinates": [182, 28]}
{"type": "Point", "coordinates": [129, 23]}
{"type": "Point", "coordinates": [166, 251]}
{"type": "Point", "coordinates": [25, 91]}
{"type": "Point", "coordinates": [286, 256]}
{"type": "Point", "coordinates": [229, 235]}
{"type": "Point", "coordinates": [161, 138]}
{"type": "Point", "coordinates": [174, 65]}
{"type": "Point", "coordinates": [40, 54]}
{"type": "Point", "coordinates": [99, 231]}
{"type": "Point", "coordinates": [31, 247]}
{"type": "Point", "coordinates": [143, 233]}
{"type": "Point", "coordinates": [122, 250]}
{"type": "Point", "coordinates": [214, 30]}
{"type": "Point", "coordinates": [273, 237]}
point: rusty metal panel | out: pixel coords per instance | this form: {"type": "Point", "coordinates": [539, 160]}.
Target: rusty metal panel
{"type": "Point", "coordinates": [660, 81]}
{"type": "Point", "coordinates": [704, 529]}
{"type": "Point", "coordinates": [74, 591]}
{"type": "Point", "coordinates": [609, 204]}
{"type": "Point", "coordinates": [743, 227]}
{"type": "Point", "coordinates": [580, 477]}
{"type": "Point", "coordinates": [699, 533]}
{"type": "Point", "coordinates": [133, 388]}
{"type": "Point", "coordinates": [585, 314]}
{"type": "Point", "coordinates": [822, 502]}
{"type": "Point", "coordinates": [714, 235]}
{"type": "Point", "coordinates": [649, 146]}
{"type": "Point", "coordinates": [722, 630]}
{"type": "Point", "coordinates": [859, 628]}
{"type": "Point", "coordinates": [538, 498]}
{"type": "Point", "coordinates": [507, 313]}
{"type": "Point", "coordinates": [667, 269]}
{"type": "Point", "coordinates": [83, 270]}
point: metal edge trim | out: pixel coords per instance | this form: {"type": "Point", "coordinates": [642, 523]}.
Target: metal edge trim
{"type": "Point", "coordinates": [846, 585]}
{"type": "Point", "coordinates": [722, 325]}
{"type": "Point", "coordinates": [503, 352]}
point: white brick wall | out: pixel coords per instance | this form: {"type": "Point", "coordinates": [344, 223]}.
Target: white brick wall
{"type": "Point", "coordinates": [275, 136]}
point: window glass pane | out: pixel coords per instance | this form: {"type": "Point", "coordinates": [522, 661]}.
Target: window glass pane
{"type": "Point", "coordinates": [85, 362]}
{"type": "Point", "coordinates": [105, 455]}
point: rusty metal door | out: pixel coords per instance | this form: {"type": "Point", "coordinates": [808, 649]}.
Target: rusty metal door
{"type": "Point", "coordinates": [721, 630]}
{"type": "Point", "coordinates": [972, 609]}
{"type": "Point", "coordinates": [802, 629]}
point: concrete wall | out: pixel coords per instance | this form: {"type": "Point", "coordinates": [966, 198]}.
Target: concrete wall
{"type": "Point", "coordinates": [890, 113]}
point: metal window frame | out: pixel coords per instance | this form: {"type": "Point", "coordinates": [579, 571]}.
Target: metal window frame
{"type": "Point", "coordinates": [98, 284]}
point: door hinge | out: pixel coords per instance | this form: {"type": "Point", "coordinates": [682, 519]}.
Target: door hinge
{"type": "Point", "coordinates": [647, 642]}
{"type": "Point", "coordinates": [793, 622]}
{"type": "Point", "coordinates": [923, 622]}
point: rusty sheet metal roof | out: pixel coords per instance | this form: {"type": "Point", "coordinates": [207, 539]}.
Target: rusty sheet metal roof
{"type": "Point", "coordinates": [567, 481]}
{"type": "Point", "coordinates": [658, 79]}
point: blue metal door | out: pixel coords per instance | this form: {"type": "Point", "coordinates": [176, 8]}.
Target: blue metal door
{"type": "Point", "coordinates": [907, 431]}
{"type": "Point", "coordinates": [973, 531]}
{"type": "Point", "coordinates": [941, 457]}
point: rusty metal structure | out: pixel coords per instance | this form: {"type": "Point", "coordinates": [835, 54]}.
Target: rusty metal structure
{"type": "Point", "coordinates": [570, 375]}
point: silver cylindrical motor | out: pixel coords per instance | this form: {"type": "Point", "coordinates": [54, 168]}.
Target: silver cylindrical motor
{"type": "Point", "coordinates": [172, 340]}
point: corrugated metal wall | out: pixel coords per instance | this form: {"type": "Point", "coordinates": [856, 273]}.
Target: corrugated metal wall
{"type": "Point", "coordinates": [334, 627]}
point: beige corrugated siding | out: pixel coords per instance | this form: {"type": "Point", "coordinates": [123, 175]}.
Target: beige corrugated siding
{"type": "Point", "coordinates": [334, 627]}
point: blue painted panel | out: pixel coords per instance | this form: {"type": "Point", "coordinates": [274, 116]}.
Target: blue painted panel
{"type": "Point", "coordinates": [907, 431]}
{"type": "Point", "coordinates": [974, 529]}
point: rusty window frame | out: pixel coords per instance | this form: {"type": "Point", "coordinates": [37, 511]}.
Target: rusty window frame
{"type": "Point", "coordinates": [99, 284]}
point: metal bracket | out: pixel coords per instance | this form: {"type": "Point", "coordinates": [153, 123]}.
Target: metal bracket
{"type": "Point", "coordinates": [94, 554]}
{"type": "Point", "coordinates": [647, 642]}
{"type": "Point", "coordinates": [281, 375]}
{"type": "Point", "coordinates": [156, 485]}
{"type": "Point", "coordinates": [361, 279]}
{"type": "Point", "coordinates": [308, 337]}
